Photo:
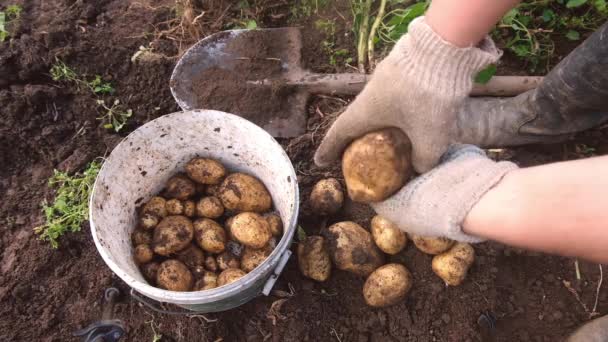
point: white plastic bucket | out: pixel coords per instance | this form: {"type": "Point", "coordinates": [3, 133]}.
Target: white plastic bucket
{"type": "Point", "coordinates": [142, 163]}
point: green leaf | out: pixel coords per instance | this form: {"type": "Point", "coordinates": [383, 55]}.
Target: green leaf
{"type": "Point", "coordinates": [486, 74]}
{"type": "Point", "coordinates": [508, 18]}
{"type": "Point", "coordinates": [251, 24]}
{"type": "Point", "coordinates": [600, 5]}
{"type": "Point", "coordinates": [548, 15]}
{"type": "Point", "coordinates": [108, 126]}
{"type": "Point", "coordinates": [301, 234]}
{"type": "Point", "coordinates": [573, 35]}
{"type": "Point", "coordinates": [575, 3]}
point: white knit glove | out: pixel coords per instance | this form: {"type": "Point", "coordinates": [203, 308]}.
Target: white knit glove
{"type": "Point", "coordinates": [437, 202]}
{"type": "Point", "coordinates": [418, 88]}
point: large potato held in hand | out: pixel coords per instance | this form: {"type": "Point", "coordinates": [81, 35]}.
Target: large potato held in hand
{"type": "Point", "coordinates": [452, 266]}
{"type": "Point", "coordinates": [313, 258]}
{"type": "Point", "coordinates": [205, 170]}
{"type": "Point", "coordinates": [180, 187]}
{"type": "Point", "coordinates": [352, 249]}
{"type": "Point", "coordinates": [387, 236]}
{"type": "Point", "coordinates": [387, 285]}
{"type": "Point", "coordinates": [173, 275]}
{"type": "Point", "coordinates": [156, 206]}
{"type": "Point", "coordinates": [432, 245]}
{"type": "Point", "coordinates": [377, 165]}
{"type": "Point", "coordinates": [327, 197]}
{"type": "Point", "coordinates": [172, 234]}
{"type": "Point", "coordinates": [250, 229]}
{"type": "Point", "coordinates": [242, 192]}
{"type": "Point", "coordinates": [252, 258]}
{"type": "Point", "coordinates": [209, 235]}
{"type": "Point", "coordinates": [229, 276]}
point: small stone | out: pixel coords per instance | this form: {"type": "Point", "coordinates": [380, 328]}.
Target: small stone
{"type": "Point", "coordinates": [445, 318]}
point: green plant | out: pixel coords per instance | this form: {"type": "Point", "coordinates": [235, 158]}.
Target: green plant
{"type": "Point", "coordinates": [114, 117]}
{"type": "Point", "coordinates": [328, 28]}
{"type": "Point", "coordinates": [98, 86]}
{"type": "Point", "coordinates": [306, 8]}
{"type": "Point", "coordinates": [71, 205]}
{"type": "Point", "coordinates": [9, 16]}
{"type": "Point", "coordinates": [61, 72]}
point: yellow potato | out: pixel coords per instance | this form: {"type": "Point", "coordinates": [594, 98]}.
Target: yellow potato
{"type": "Point", "coordinates": [327, 197]}
{"type": "Point", "coordinates": [140, 237]}
{"type": "Point", "coordinates": [207, 282]}
{"type": "Point", "coordinates": [205, 170]}
{"type": "Point", "coordinates": [173, 275]}
{"type": "Point", "coordinates": [387, 285]}
{"type": "Point", "coordinates": [275, 224]}
{"type": "Point", "coordinates": [452, 266]}
{"type": "Point", "coordinates": [209, 235]}
{"type": "Point", "coordinates": [387, 236]}
{"type": "Point", "coordinates": [148, 221]}
{"type": "Point", "coordinates": [352, 249]}
{"type": "Point", "coordinates": [211, 263]}
{"type": "Point", "coordinates": [210, 207]}
{"type": "Point", "coordinates": [227, 260]}
{"type": "Point", "coordinates": [180, 187]}
{"type": "Point", "coordinates": [149, 271]}
{"type": "Point", "coordinates": [242, 192]}
{"type": "Point", "coordinates": [377, 165]}
{"type": "Point", "coordinates": [143, 254]}
{"type": "Point", "coordinates": [432, 245]}
{"type": "Point", "coordinates": [250, 229]}
{"type": "Point", "coordinates": [156, 206]}
{"type": "Point", "coordinates": [252, 258]}
{"type": "Point", "coordinates": [172, 234]}
{"type": "Point", "coordinates": [191, 256]}
{"type": "Point", "coordinates": [313, 258]}
{"type": "Point", "coordinates": [229, 276]}
{"type": "Point", "coordinates": [189, 208]}
{"type": "Point", "coordinates": [175, 207]}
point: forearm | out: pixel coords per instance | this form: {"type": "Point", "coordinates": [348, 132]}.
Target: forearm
{"type": "Point", "coordinates": [559, 208]}
{"type": "Point", "coordinates": [465, 23]}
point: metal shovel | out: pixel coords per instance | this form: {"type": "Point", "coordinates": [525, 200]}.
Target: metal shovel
{"type": "Point", "coordinates": [257, 74]}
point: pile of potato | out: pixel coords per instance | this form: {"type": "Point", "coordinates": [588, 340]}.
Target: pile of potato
{"type": "Point", "coordinates": [206, 229]}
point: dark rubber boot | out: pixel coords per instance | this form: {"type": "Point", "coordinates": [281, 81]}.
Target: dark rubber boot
{"type": "Point", "coordinates": [594, 331]}
{"type": "Point", "coordinates": [573, 97]}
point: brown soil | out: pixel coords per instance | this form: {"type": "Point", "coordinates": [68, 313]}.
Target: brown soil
{"type": "Point", "coordinates": [46, 294]}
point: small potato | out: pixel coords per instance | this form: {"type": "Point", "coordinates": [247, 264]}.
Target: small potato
{"type": "Point", "coordinates": [198, 271]}
{"type": "Point", "coordinates": [189, 208]}
{"type": "Point", "coordinates": [207, 282]}
{"type": "Point", "coordinates": [143, 254]}
{"type": "Point", "coordinates": [252, 258]}
{"type": "Point", "coordinates": [173, 275]}
{"type": "Point", "coordinates": [156, 206]}
{"type": "Point", "coordinates": [148, 221]}
{"type": "Point", "coordinates": [213, 190]}
{"type": "Point", "coordinates": [140, 237]}
{"type": "Point", "coordinates": [387, 285]}
{"type": "Point", "coordinates": [180, 187]}
{"type": "Point", "coordinates": [191, 256]}
{"type": "Point", "coordinates": [352, 249]}
{"type": "Point", "coordinates": [275, 224]}
{"type": "Point", "coordinates": [229, 276]}
{"type": "Point", "coordinates": [211, 263]}
{"type": "Point", "coordinates": [172, 234]}
{"type": "Point", "coordinates": [227, 260]}
{"type": "Point", "coordinates": [242, 192]}
{"type": "Point", "coordinates": [327, 197]}
{"type": "Point", "coordinates": [452, 266]}
{"type": "Point", "coordinates": [387, 236]}
{"type": "Point", "coordinates": [210, 207]}
{"type": "Point", "coordinates": [250, 229]}
{"type": "Point", "coordinates": [205, 170]}
{"type": "Point", "coordinates": [175, 207]}
{"type": "Point", "coordinates": [313, 258]}
{"type": "Point", "coordinates": [209, 235]}
{"type": "Point", "coordinates": [432, 245]}
{"type": "Point", "coordinates": [235, 248]}
{"type": "Point", "coordinates": [376, 165]}
{"type": "Point", "coordinates": [149, 271]}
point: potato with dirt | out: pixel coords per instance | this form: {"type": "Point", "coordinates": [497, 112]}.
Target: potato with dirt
{"type": "Point", "coordinates": [173, 275]}
{"type": "Point", "coordinates": [314, 259]}
{"type": "Point", "coordinates": [352, 248]}
{"type": "Point", "coordinates": [388, 285]}
{"type": "Point", "coordinates": [432, 245]}
{"type": "Point", "coordinates": [275, 224]}
{"type": "Point", "coordinates": [149, 271]}
{"type": "Point", "coordinates": [155, 206]}
{"type": "Point", "coordinates": [210, 207]}
{"type": "Point", "coordinates": [250, 229]}
{"type": "Point", "coordinates": [227, 260]}
{"type": "Point", "coordinates": [180, 187]}
{"type": "Point", "coordinates": [327, 197]}
{"type": "Point", "coordinates": [189, 208]}
{"type": "Point", "coordinates": [172, 234]}
{"type": "Point", "coordinates": [211, 263]}
{"type": "Point", "coordinates": [252, 258]}
{"type": "Point", "coordinates": [206, 282]}
{"type": "Point", "coordinates": [148, 221]}
{"type": "Point", "coordinates": [141, 237]}
{"type": "Point", "coordinates": [175, 207]}
{"type": "Point", "coordinates": [377, 165]}
{"type": "Point", "coordinates": [387, 236]}
{"type": "Point", "coordinates": [205, 170]}
{"type": "Point", "coordinates": [191, 256]}
{"type": "Point", "coordinates": [143, 254]}
{"type": "Point", "coordinates": [209, 235]}
{"type": "Point", "coordinates": [452, 266]}
{"type": "Point", "coordinates": [229, 276]}
{"type": "Point", "coordinates": [241, 192]}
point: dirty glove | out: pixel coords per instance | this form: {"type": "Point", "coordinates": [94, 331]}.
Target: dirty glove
{"type": "Point", "coordinates": [418, 87]}
{"type": "Point", "coordinates": [437, 202]}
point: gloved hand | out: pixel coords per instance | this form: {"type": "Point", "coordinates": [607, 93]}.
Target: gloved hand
{"type": "Point", "coordinates": [418, 87]}
{"type": "Point", "coordinates": [437, 202]}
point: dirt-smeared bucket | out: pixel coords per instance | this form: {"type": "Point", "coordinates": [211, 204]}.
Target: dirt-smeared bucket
{"type": "Point", "coordinates": [142, 163]}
